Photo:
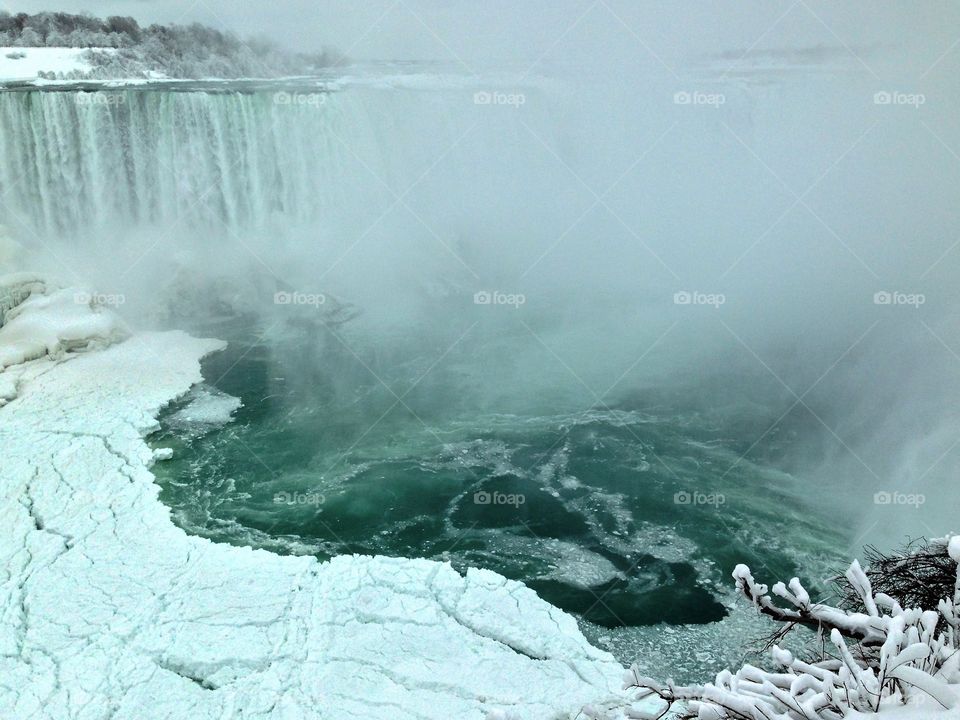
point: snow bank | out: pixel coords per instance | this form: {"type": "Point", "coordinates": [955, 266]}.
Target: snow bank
{"type": "Point", "coordinates": [109, 610]}
{"type": "Point", "coordinates": [907, 712]}
{"type": "Point", "coordinates": [38, 319]}
{"type": "Point", "coordinates": [25, 63]}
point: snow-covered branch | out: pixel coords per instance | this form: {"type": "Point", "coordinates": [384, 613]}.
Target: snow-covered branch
{"type": "Point", "coordinates": [864, 627]}
{"type": "Point", "coordinates": [878, 655]}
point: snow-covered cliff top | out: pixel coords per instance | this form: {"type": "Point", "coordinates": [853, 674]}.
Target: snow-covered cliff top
{"type": "Point", "coordinates": [25, 63]}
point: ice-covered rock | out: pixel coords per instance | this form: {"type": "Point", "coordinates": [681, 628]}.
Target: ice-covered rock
{"type": "Point", "coordinates": [110, 611]}
{"type": "Point", "coordinates": [38, 319]}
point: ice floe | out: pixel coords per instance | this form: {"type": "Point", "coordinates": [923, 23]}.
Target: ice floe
{"type": "Point", "coordinates": [204, 408]}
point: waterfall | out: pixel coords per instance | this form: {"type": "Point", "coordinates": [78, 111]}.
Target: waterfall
{"type": "Point", "coordinates": [95, 162]}
{"type": "Point", "coordinates": [309, 173]}
{"type": "Point", "coordinates": [360, 189]}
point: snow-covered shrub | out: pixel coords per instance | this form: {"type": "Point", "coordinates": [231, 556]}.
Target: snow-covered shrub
{"type": "Point", "coordinates": [919, 575]}
{"type": "Point", "coordinates": [873, 657]}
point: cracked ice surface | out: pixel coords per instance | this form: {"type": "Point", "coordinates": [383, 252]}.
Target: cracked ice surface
{"type": "Point", "coordinates": [107, 610]}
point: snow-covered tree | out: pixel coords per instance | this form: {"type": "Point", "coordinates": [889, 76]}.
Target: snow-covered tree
{"type": "Point", "coordinates": [56, 39]}
{"type": "Point", "coordinates": [29, 38]}
{"type": "Point", "coordinates": [875, 656]}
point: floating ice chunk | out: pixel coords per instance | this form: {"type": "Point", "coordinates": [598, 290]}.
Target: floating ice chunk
{"type": "Point", "coordinates": [578, 567]}
{"type": "Point", "coordinates": [206, 406]}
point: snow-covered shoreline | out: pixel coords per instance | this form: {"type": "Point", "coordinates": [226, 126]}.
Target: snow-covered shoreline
{"type": "Point", "coordinates": [25, 63]}
{"type": "Point", "coordinates": [109, 610]}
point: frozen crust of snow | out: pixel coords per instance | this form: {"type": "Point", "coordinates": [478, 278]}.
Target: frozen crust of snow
{"type": "Point", "coordinates": [917, 711]}
{"type": "Point", "coordinates": [110, 611]}
{"type": "Point", "coordinates": [51, 323]}
{"type": "Point", "coordinates": [37, 319]}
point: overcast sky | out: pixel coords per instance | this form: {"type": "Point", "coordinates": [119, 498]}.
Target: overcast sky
{"type": "Point", "coordinates": [477, 31]}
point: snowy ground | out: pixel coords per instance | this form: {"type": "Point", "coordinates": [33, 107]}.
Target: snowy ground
{"type": "Point", "coordinates": [23, 63]}
{"type": "Point", "coordinates": [919, 711]}
{"type": "Point", "coordinates": [110, 611]}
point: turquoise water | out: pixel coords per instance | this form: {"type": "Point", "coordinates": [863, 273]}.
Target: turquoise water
{"type": "Point", "coordinates": [627, 515]}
